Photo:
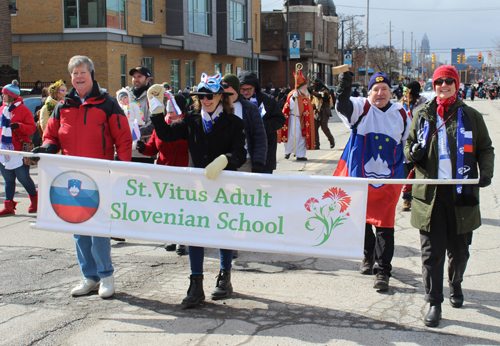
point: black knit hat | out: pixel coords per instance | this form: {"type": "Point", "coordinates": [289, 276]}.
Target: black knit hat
{"type": "Point", "coordinates": [414, 88]}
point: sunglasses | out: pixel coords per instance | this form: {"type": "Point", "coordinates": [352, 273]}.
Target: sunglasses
{"type": "Point", "coordinates": [448, 81]}
{"type": "Point", "coordinates": [209, 97]}
{"type": "Point", "coordinates": [225, 85]}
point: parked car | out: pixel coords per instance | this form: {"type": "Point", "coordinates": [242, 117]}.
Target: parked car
{"type": "Point", "coordinates": [32, 102]}
{"type": "Point", "coordinates": [428, 90]}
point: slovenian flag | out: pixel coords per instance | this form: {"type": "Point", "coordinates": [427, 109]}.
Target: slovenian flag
{"type": "Point", "coordinates": [136, 133]}
{"type": "Point", "coordinates": [171, 98]}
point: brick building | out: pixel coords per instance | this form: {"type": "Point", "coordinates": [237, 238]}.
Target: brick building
{"type": "Point", "coordinates": [317, 24]}
{"type": "Point", "coordinates": [176, 39]}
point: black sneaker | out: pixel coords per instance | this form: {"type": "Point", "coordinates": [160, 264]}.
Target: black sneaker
{"type": "Point", "coordinates": [181, 250]}
{"type": "Point", "coordinates": [381, 281]}
{"type": "Point", "coordinates": [170, 247]}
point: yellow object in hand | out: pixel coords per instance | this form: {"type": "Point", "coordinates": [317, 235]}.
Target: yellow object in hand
{"type": "Point", "coordinates": [157, 91]}
{"type": "Point", "coordinates": [213, 169]}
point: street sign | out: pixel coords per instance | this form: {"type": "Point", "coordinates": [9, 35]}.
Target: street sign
{"type": "Point", "coordinates": [294, 46]}
{"type": "Point", "coordinates": [348, 57]}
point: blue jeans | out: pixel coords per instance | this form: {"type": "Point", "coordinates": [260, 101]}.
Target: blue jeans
{"type": "Point", "coordinates": [197, 254]}
{"type": "Point", "coordinates": [94, 256]}
{"type": "Point", "coordinates": [23, 175]}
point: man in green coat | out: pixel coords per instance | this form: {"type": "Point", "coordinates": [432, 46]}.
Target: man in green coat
{"type": "Point", "coordinates": [446, 215]}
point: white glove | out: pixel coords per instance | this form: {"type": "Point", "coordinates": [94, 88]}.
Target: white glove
{"type": "Point", "coordinates": [156, 91]}
{"type": "Point", "coordinates": [213, 169]}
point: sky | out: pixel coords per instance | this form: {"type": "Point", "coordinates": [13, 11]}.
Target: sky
{"type": "Point", "coordinates": [472, 25]}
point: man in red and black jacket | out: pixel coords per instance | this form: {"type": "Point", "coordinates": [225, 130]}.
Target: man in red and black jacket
{"type": "Point", "coordinates": [89, 123]}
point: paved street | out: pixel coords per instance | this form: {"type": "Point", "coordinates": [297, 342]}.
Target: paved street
{"type": "Point", "coordinates": [278, 300]}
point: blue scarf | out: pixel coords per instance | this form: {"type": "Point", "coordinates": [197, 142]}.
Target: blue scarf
{"type": "Point", "coordinates": [465, 155]}
{"type": "Point", "coordinates": [209, 120]}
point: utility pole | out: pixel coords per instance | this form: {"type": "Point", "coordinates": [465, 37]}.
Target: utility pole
{"type": "Point", "coordinates": [390, 53]}
{"type": "Point", "coordinates": [287, 43]}
{"type": "Point", "coordinates": [411, 54]}
{"type": "Point", "coordinates": [367, 27]}
{"type": "Point", "coordinates": [402, 56]}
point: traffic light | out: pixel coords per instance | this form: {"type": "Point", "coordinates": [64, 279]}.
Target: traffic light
{"type": "Point", "coordinates": [470, 67]}
{"type": "Point", "coordinates": [464, 59]}
{"type": "Point", "coordinates": [433, 66]}
{"type": "Point", "coordinates": [459, 58]}
{"type": "Point", "coordinates": [480, 57]}
{"type": "Point", "coordinates": [484, 66]}
{"type": "Point", "coordinates": [408, 58]}
{"type": "Point", "coordinates": [433, 58]}
{"type": "Point", "coordinates": [404, 57]}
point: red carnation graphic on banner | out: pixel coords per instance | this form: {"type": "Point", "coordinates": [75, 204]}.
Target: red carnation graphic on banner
{"type": "Point", "coordinates": [326, 213]}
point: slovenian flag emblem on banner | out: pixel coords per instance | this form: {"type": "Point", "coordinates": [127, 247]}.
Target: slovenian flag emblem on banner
{"type": "Point", "coordinates": [136, 133]}
{"type": "Point", "coordinates": [171, 98]}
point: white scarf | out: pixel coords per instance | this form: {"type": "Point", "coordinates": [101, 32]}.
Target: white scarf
{"type": "Point", "coordinates": [9, 162]}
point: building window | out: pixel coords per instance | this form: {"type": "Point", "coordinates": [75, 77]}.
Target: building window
{"type": "Point", "coordinates": [308, 39]}
{"type": "Point", "coordinates": [95, 14]}
{"type": "Point", "coordinates": [123, 70]}
{"type": "Point", "coordinates": [115, 14]}
{"type": "Point", "coordinates": [237, 21]}
{"type": "Point", "coordinates": [320, 43]}
{"type": "Point", "coordinates": [247, 64]}
{"type": "Point", "coordinates": [190, 80]}
{"type": "Point", "coordinates": [148, 62]}
{"type": "Point", "coordinates": [13, 7]}
{"type": "Point", "coordinates": [174, 75]}
{"type": "Point", "coordinates": [199, 15]}
{"type": "Point", "coordinates": [147, 10]}
{"type": "Point", "coordinates": [16, 64]}
{"type": "Point", "coordinates": [217, 68]}
{"type": "Point", "coordinates": [229, 69]}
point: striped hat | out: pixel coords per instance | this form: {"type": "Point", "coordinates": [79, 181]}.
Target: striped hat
{"type": "Point", "coordinates": [12, 90]}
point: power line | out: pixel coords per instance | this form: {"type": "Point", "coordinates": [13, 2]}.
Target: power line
{"type": "Point", "coordinates": [421, 10]}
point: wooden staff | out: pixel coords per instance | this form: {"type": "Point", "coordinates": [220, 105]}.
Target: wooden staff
{"type": "Point", "coordinates": [298, 67]}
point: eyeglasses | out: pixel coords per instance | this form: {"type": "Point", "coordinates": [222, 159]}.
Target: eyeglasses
{"type": "Point", "coordinates": [225, 85]}
{"type": "Point", "coordinates": [448, 81]}
{"type": "Point", "coordinates": [244, 90]}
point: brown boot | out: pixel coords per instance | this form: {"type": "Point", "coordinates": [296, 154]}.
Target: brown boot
{"type": "Point", "coordinates": [9, 208]}
{"type": "Point", "coordinates": [34, 204]}
{"type": "Point", "coordinates": [406, 205]}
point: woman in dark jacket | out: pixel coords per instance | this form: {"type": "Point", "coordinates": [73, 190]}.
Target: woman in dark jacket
{"type": "Point", "coordinates": [215, 142]}
{"type": "Point", "coordinates": [447, 140]}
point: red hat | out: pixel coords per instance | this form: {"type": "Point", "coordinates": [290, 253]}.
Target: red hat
{"type": "Point", "coordinates": [300, 80]}
{"type": "Point", "coordinates": [446, 71]}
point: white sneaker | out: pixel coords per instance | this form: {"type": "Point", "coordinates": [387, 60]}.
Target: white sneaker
{"type": "Point", "coordinates": [86, 286]}
{"type": "Point", "coordinates": [107, 287]}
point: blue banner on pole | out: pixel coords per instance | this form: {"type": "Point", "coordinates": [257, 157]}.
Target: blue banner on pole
{"type": "Point", "coordinates": [348, 57]}
{"type": "Point", "coordinates": [294, 46]}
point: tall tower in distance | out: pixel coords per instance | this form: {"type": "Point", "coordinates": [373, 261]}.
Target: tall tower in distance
{"type": "Point", "coordinates": [425, 48]}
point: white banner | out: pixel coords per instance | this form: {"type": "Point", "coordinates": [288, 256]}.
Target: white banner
{"type": "Point", "coordinates": [309, 215]}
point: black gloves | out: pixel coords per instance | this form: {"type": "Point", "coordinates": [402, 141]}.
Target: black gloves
{"type": "Point", "coordinates": [417, 152]}
{"type": "Point", "coordinates": [14, 126]}
{"type": "Point", "coordinates": [345, 80]}
{"type": "Point", "coordinates": [484, 181]}
{"type": "Point", "coordinates": [140, 146]}
{"type": "Point", "coordinates": [48, 148]}
{"type": "Point", "coordinates": [257, 168]}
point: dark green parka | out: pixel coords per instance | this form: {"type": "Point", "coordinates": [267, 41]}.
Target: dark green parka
{"type": "Point", "coordinates": [468, 218]}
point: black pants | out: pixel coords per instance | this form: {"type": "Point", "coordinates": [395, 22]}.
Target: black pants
{"type": "Point", "coordinates": [323, 123]}
{"type": "Point", "coordinates": [380, 244]}
{"type": "Point", "coordinates": [443, 238]}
